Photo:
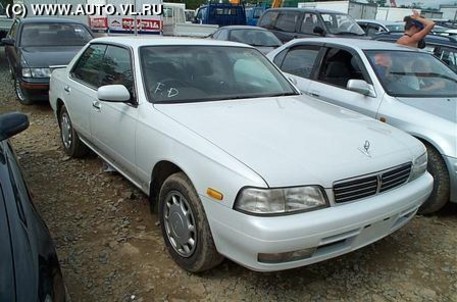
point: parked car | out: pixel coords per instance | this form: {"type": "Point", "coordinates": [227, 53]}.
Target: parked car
{"type": "Point", "coordinates": [259, 37]}
{"type": "Point", "coordinates": [29, 268]}
{"type": "Point", "coordinates": [444, 48]}
{"type": "Point", "coordinates": [290, 23]}
{"type": "Point", "coordinates": [34, 44]}
{"type": "Point", "coordinates": [222, 14]}
{"type": "Point", "coordinates": [237, 161]}
{"type": "Point", "coordinates": [409, 89]}
{"type": "Point", "coordinates": [374, 27]}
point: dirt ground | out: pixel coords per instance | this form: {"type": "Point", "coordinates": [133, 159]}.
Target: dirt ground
{"type": "Point", "coordinates": [111, 249]}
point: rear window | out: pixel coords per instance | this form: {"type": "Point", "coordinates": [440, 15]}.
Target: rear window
{"type": "Point", "coordinates": [54, 34]}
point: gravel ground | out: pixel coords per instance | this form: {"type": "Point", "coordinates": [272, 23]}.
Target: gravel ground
{"type": "Point", "coordinates": [111, 249]}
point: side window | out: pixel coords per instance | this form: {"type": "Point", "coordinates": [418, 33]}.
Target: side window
{"type": "Point", "coordinates": [280, 58]}
{"type": "Point", "coordinates": [287, 21]}
{"type": "Point", "coordinates": [339, 66]}
{"type": "Point", "coordinates": [223, 35]}
{"type": "Point", "coordinates": [117, 68]}
{"type": "Point", "coordinates": [447, 55]}
{"type": "Point", "coordinates": [310, 21]}
{"type": "Point", "coordinates": [373, 30]}
{"type": "Point", "coordinates": [268, 19]}
{"type": "Point", "coordinates": [300, 60]}
{"type": "Point", "coordinates": [87, 69]}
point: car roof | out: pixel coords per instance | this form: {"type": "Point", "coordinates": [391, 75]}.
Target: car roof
{"type": "Point", "coordinates": [449, 41]}
{"type": "Point", "coordinates": [139, 41]}
{"type": "Point", "coordinates": [303, 9]}
{"type": "Point", "coordinates": [48, 20]}
{"type": "Point", "coordinates": [357, 43]}
{"type": "Point", "coordinates": [383, 22]}
{"type": "Point", "coordinates": [243, 27]}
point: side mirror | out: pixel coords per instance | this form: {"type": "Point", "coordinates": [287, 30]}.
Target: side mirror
{"type": "Point", "coordinates": [319, 30]}
{"type": "Point", "coordinates": [8, 41]}
{"type": "Point", "coordinates": [12, 123]}
{"type": "Point", "coordinates": [113, 93]}
{"type": "Point", "coordinates": [361, 87]}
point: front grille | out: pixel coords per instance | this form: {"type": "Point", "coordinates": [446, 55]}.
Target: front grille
{"type": "Point", "coordinates": [371, 184]}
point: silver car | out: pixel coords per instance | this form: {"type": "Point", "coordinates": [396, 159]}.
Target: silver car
{"type": "Point", "coordinates": [405, 87]}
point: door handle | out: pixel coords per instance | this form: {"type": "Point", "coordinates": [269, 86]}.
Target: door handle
{"type": "Point", "coordinates": [67, 88]}
{"type": "Point", "coordinates": [96, 105]}
{"type": "Point", "coordinates": [314, 93]}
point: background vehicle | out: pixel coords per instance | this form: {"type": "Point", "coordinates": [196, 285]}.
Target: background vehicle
{"type": "Point", "coordinates": [253, 14]}
{"type": "Point", "coordinates": [291, 23]}
{"type": "Point", "coordinates": [208, 129]}
{"type": "Point", "coordinates": [357, 10]}
{"type": "Point", "coordinates": [374, 27]}
{"type": "Point", "coordinates": [29, 268]}
{"type": "Point", "coordinates": [221, 14]}
{"type": "Point", "coordinates": [444, 48]}
{"type": "Point", "coordinates": [400, 90]}
{"type": "Point", "coordinates": [34, 44]}
{"type": "Point", "coordinates": [175, 24]}
{"type": "Point", "coordinates": [258, 37]}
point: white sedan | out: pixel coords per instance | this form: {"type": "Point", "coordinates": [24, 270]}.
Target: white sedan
{"type": "Point", "coordinates": [236, 161]}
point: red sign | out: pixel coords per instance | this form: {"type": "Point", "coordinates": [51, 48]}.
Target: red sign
{"type": "Point", "coordinates": [98, 23]}
{"type": "Point", "coordinates": [142, 24]}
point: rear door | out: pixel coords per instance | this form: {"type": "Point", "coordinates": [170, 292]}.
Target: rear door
{"type": "Point", "coordinates": [81, 88]}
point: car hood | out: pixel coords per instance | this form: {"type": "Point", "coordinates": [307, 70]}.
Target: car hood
{"type": "Point", "coordinates": [47, 56]}
{"type": "Point", "coordinates": [445, 108]}
{"type": "Point", "coordinates": [292, 141]}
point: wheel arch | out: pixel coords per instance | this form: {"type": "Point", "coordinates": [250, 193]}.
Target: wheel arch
{"type": "Point", "coordinates": [59, 105]}
{"type": "Point", "coordinates": [161, 171]}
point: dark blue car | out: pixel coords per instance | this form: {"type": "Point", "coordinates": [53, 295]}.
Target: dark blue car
{"type": "Point", "coordinates": [29, 268]}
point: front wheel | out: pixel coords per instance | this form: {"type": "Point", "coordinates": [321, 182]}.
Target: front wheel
{"type": "Point", "coordinates": [72, 145]}
{"type": "Point", "coordinates": [21, 96]}
{"type": "Point", "coordinates": [184, 225]}
{"type": "Point", "coordinates": [441, 185]}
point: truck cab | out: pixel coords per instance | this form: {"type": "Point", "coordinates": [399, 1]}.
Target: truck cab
{"type": "Point", "coordinates": [221, 14]}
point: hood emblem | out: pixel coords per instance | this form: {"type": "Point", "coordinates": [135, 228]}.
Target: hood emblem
{"type": "Point", "coordinates": [365, 149]}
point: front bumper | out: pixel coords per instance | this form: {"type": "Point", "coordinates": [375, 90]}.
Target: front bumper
{"type": "Point", "coordinates": [451, 163]}
{"type": "Point", "coordinates": [35, 89]}
{"type": "Point", "coordinates": [331, 231]}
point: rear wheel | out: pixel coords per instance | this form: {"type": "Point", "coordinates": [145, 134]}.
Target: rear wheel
{"type": "Point", "coordinates": [441, 185]}
{"type": "Point", "coordinates": [184, 225]}
{"type": "Point", "coordinates": [23, 99]}
{"type": "Point", "coordinates": [72, 145]}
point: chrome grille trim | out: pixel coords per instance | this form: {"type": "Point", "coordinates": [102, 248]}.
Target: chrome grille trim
{"type": "Point", "coordinates": [371, 184]}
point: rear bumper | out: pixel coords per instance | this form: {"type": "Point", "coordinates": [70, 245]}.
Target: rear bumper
{"type": "Point", "coordinates": [328, 232]}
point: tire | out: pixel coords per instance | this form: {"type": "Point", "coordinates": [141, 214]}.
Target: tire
{"type": "Point", "coordinates": [188, 237]}
{"type": "Point", "coordinates": [441, 185]}
{"type": "Point", "coordinates": [22, 98]}
{"type": "Point", "coordinates": [72, 145]}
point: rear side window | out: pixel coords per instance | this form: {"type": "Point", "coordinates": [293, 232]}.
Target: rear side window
{"type": "Point", "coordinates": [268, 19]}
{"type": "Point", "coordinates": [287, 21]}
{"type": "Point", "coordinates": [300, 60]}
{"type": "Point", "coordinates": [87, 70]}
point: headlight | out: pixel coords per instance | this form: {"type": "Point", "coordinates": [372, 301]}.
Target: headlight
{"type": "Point", "coordinates": [419, 167]}
{"type": "Point", "coordinates": [280, 201]}
{"type": "Point", "coordinates": [36, 72]}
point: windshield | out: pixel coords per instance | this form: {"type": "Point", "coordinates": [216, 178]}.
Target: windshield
{"type": "Point", "coordinates": [54, 34]}
{"type": "Point", "coordinates": [339, 24]}
{"type": "Point", "coordinates": [209, 73]}
{"type": "Point", "coordinates": [254, 37]}
{"type": "Point", "coordinates": [418, 74]}
{"type": "Point", "coordinates": [398, 27]}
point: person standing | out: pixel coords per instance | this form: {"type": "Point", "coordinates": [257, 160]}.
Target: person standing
{"type": "Point", "coordinates": [416, 28]}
